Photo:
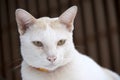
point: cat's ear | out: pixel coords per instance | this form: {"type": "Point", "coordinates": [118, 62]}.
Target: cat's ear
{"type": "Point", "coordinates": [24, 20]}
{"type": "Point", "coordinates": [68, 17]}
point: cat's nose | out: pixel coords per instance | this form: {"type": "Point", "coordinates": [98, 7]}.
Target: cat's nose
{"type": "Point", "coordinates": [51, 58]}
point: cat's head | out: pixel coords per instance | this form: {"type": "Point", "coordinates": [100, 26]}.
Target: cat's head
{"type": "Point", "coordinates": [46, 42]}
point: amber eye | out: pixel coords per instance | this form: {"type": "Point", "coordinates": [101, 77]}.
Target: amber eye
{"type": "Point", "coordinates": [61, 42]}
{"type": "Point", "coordinates": [38, 43]}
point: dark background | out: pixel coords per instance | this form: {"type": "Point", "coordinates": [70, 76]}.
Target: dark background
{"type": "Point", "coordinates": [96, 34]}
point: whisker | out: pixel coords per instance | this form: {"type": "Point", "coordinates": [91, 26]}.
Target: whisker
{"type": "Point", "coordinates": [16, 67]}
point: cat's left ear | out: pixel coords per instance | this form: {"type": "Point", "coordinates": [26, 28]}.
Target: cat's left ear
{"type": "Point", "coordinates": [68, 17]}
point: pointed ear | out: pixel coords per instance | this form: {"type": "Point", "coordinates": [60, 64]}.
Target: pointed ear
{"type": "Point", "coordinates": [68, 17]}
{"type": "Point", "coordinates": [24, 20]}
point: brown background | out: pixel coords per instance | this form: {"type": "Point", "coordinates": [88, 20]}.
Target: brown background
{"type": "Point", "coordinates": [96, 34]}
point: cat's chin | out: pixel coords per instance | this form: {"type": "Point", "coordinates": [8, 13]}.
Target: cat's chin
{"type": "Point", "coordinates": [46, 69]}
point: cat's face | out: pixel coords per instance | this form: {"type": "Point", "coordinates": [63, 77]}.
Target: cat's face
{"type": "Point", "coordinates": [46, 42]}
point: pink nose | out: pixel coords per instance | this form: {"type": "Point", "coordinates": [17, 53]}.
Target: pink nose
{"type": "Point", "coordinates": [51, 58]}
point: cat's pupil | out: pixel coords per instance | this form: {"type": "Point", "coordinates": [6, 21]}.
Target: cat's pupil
{"type": "Point", "coordinates": [61, 42]}
{"type": "Point", "coordinates": [38, 43]}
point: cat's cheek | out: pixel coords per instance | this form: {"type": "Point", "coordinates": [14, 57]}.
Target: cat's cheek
{"type": "Point", "coordinates": [33, 57]}
{"type": "Point", "coordinates": [60, 56]}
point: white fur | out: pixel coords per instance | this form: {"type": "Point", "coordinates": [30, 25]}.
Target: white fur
{"type": "Point", "coordinates": [69, 65]}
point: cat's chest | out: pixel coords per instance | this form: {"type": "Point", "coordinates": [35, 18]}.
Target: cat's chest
{"type": "Point", "coordinates": [62, 74]}
{"type": "Point", "coordinates": [48, 76]}
{"type": "Point", "coordinates": [55, 77]}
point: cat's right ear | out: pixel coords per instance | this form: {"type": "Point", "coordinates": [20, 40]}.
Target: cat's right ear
{"type": "Point", "coordinates": [24, 20]}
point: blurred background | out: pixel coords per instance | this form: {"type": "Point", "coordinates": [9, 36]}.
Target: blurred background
{"type": "Point", "coordinates": [96, 34]}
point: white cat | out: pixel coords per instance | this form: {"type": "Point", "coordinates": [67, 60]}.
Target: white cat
{"type": "Point", "coordinates": [48, 51]}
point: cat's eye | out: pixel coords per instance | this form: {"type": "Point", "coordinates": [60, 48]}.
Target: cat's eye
{"type": "Point", "coordinates": [61, 42]}
{"type": "Point", "coordinates": [38, 43]}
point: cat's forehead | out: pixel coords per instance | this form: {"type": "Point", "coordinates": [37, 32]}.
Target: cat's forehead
{"type": "Point", "coordinates": [46, 22]}
{"type": "Point", "coordinates": [46, 19]}
{"type": "Point", "coordinates": [47, 28]}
